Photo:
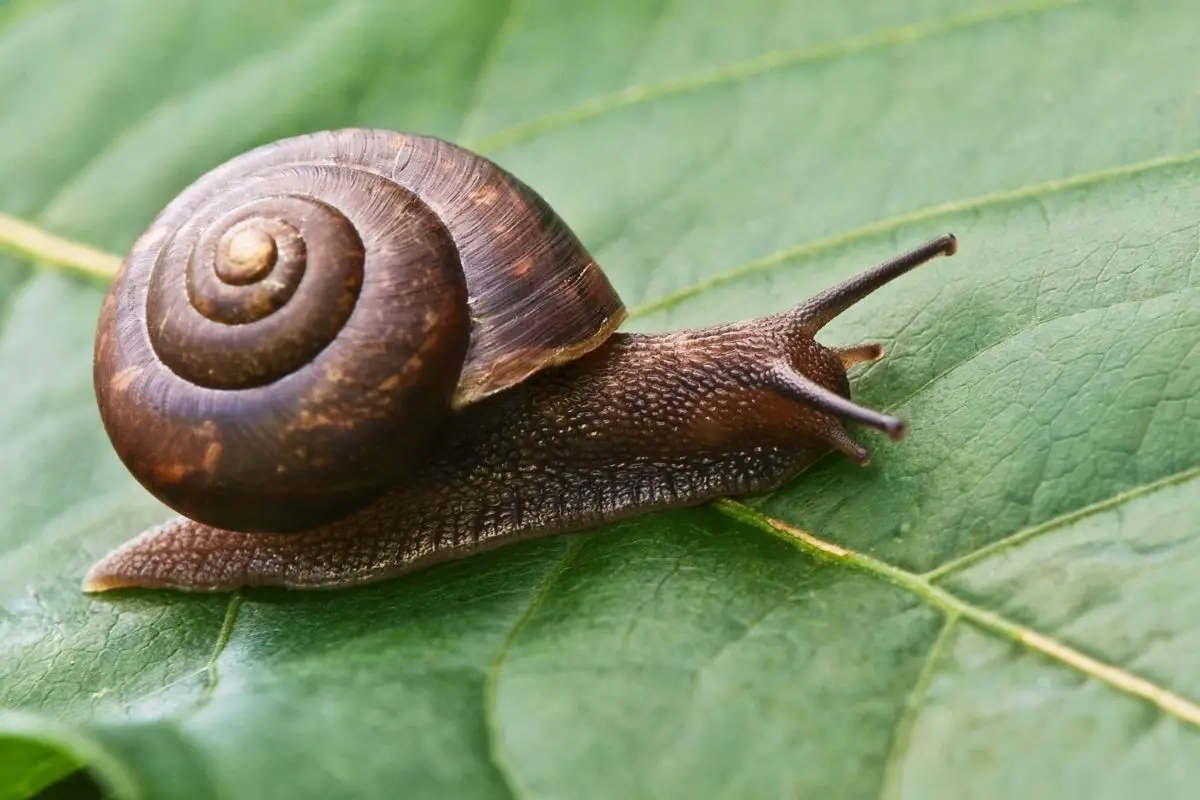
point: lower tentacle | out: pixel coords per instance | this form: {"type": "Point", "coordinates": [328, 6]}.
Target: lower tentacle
{"type": "Point", "coordinates": [859, 353]}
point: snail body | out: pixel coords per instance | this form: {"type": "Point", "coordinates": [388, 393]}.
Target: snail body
{"type": "Point", "coordinates": [497, 401]}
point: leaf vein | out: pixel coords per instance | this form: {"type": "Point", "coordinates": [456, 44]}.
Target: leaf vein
{"type": "Point", "coordinates": [212, 675]}
{"type": "Point", "coordinates": [912, 707]}
{"type": "Point", "coordinates": [921, 215]}
{"type": "Point", "coordinates": [491, 712]}
{"type": "Point", "coordinates": [1121, 680]}
{"type": "Point", "coordinates": [26, 239]}
{"type": "Point", "coordinates": [1061, 521]}
{"type": "Point", "coordinates": [766, 63]}
{"type": "Point", "coordinates": [37, 244]}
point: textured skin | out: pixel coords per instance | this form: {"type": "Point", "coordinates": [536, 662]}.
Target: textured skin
{"type": "Point", "coordinates": [407, 277]}
{"type": "Point", "coordinates": [641, 423]}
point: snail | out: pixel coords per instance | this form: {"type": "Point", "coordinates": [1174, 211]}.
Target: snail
{"type": "Point", "coordinates": [346, 355]}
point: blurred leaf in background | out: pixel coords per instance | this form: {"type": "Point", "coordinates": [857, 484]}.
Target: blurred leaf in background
{"type": "Point", "coordinates": [1016, 615]}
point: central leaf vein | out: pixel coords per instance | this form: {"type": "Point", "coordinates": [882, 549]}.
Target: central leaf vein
{"type": "Point", "coordinates": [989, 621]}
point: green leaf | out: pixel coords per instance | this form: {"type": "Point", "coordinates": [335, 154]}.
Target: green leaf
{"type": "Point", "coordinates": [1001, 605]}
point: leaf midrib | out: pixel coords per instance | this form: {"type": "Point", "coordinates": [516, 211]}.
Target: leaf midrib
{"type": "Point", "coordinates": [1186, 710]}
{"type": "Point", "coordinates": [920, 584]}
{"type": "Point", "coordinates": [990, 622]}
{"type": "Point", "coordinates": [1030, 191]}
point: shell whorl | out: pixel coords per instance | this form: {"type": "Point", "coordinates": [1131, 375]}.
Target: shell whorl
{"type": "Point", "coordinates": [289, 337]}
{"type": "Point", "coordinates": [248, 289]}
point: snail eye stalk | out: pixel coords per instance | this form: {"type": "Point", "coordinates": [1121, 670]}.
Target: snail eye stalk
{"type": "Point", "coordinates": [791, 384]}
{"type": "Point", "coordinates": [815, 313]}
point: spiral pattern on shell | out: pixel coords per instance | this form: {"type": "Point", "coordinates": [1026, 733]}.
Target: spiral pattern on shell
{"type": "Point", "coordinates": [278, 351]}
{"type": "Point", "coordinates": [248, 308]}
{"type": "Point", "coordinates": [290, 336]}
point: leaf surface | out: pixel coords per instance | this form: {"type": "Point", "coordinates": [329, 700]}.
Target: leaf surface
{"type": "Point", "coordinates": [1015, 615]}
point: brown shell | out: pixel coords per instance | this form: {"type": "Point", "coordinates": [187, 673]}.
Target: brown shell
{"type": "Point", "coordinates": [537, 297]}
{"type": "Point", "coordinates": [272, 381]}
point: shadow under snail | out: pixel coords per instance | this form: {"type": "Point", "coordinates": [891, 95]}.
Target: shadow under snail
{"type": "Point", "coordinates": [346, 355]}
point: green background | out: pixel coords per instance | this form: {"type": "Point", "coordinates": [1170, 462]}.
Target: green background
{"type": "Point", "coordinates": [1028, 624]}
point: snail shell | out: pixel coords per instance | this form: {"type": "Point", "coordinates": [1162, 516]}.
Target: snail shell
{"type": "Point", "coordinates": [295, 331]}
